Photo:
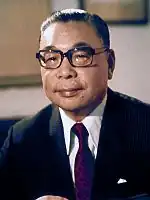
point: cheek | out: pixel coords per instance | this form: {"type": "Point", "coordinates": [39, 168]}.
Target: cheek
{"type": "Point", "coordinates": [97, 76]}
{"type": "Point", "coordinates": [46, 80]}
{"type": "Point", "coordinates": [44, 76]}
{"type": "Point", "coordinates": [102, 70]}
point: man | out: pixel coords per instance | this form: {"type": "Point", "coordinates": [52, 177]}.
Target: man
{"type": "Point", "coordinates": [91, 143]}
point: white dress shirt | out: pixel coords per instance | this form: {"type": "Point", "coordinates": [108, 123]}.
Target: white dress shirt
{"type": "Point", "coordinates": [92, 123]}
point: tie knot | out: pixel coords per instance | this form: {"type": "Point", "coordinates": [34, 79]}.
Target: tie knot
{"type": "Point", "coordinates": [80, 131]}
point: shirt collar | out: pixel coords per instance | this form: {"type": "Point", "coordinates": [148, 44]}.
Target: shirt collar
{"type": "Point", "coordinates": [92, 122]}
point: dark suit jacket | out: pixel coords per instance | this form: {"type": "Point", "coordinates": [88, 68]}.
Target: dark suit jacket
{"type": "Point", "coordinates": [33, 159]}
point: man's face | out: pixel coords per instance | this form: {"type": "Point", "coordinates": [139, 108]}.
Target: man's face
{"type": "Point", "coordinates": [74, 88]}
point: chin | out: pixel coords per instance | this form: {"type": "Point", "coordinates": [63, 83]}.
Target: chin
{"type": "Point", "coordinates": [71, 108]}
{"type": "Point", "coordinates": [71, 105]}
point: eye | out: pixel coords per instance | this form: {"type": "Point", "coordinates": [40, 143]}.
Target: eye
{"type": "Point", "coordinates": [81, 58]}
{"type": "Point", "coordinates": [82, 55]}
{"type": "Point", "coordinates": [52, 58]}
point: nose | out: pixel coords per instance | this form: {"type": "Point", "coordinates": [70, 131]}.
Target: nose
{"type": "Point", "coordinates": [66, 70]}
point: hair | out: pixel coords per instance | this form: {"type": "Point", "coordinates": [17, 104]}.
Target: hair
{"type": "Point", "coordinates": [79, 15]}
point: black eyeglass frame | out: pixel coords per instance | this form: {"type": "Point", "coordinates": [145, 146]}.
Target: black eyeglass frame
{"type": "Point", "coordinates": [69, 54]}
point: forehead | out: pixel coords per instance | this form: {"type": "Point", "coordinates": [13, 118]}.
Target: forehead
{"type": "Point", "coordinates": [66, 35]}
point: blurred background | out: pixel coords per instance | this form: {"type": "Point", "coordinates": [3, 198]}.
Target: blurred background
{"type": "Point", "coordinates": [20, 85]}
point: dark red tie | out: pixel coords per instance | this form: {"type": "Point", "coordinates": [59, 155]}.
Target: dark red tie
{"type": "Point", "coordinates": [84, 164]}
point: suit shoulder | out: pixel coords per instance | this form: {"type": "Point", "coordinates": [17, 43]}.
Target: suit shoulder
{"type": "Point", "coordinates": [31, 124]}
{"type": "Point", "coordinates": [132, 101]}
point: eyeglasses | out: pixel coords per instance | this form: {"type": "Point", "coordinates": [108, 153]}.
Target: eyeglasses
{"type": "Point", "coordinates": [77, 57]}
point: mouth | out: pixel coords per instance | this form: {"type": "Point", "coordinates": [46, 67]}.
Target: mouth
{"type": "Point", "coordinates": [70, 92]}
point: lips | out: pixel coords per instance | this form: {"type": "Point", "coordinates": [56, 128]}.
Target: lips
{"type": "Point", "coordinates": [68, 89]}
{"type": "Point", "coordinates": [69, 92]}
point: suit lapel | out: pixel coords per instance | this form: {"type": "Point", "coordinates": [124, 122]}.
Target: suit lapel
{"type": "Point", "coordinates": [108, 158]}
{"type": "Point", "coordinates": [57, 136]}
{"type": "Point", "coordinates": [56, 131]}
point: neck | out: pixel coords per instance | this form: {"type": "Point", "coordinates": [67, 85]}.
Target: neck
{"type": "Point", "coordinates": [78, 115]}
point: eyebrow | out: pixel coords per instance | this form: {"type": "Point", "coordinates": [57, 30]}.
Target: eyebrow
{"type": "Point", "coordinates": [49, 47]}
{"type": "Point", "coordinates": [78, 44]}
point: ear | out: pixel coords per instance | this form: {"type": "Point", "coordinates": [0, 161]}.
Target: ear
{"type": "Point", "coordinates": [111, 63]}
